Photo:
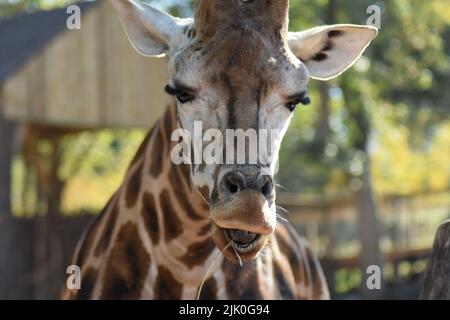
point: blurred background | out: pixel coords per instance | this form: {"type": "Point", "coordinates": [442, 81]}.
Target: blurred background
{"type": "Point", "coordinates": [364, 170]}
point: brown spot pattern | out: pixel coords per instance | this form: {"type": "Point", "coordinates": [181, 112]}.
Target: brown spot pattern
{"type": "Point", "coordinates": [197, 253]}
{"type": "Point", "coordinates": [209, 290]}
{"type": "Point", "coordinates": [293, 256]}
{"type": "Point", "coordinates": [241, 283]}
{"type": "Point", "coordinates": [88, 241]}
{"type": "Point", "coordinates": [172, 224]}
{"type": "Point", "coordinates": [150, 217]}
{"type": "Point", "coordinates": [204, 191]}
{"type": "Point", "coordinates": [285, 290]}
{"type": "Point", "coordinates": [133, 187]}
{"type": "Point", "coordinates": [316, 279]}
{"type": "Point", "coordinates": [156, 164]}
{"type": "Point", "coordinates": [166, 286]}
{"type": "Point", "coordinates": [127, 266]}
{"type": "Point", "coordinates": [169, 126]}
{"type": "Point", "coordinates": [105, 237]}
{"type": "Point", "coordinates": [185, 204]}
{"type": "Point", "coordinates": [184, 172]}
{"type": "Point", "coordinates": [299, 246]}
{"type": "Point", "coordinates": [205, 230]}
{"type": "Point", "coordinates": [87, 284]}
{"type": "Point", "coordinates": [142, 148]}
{"type": "Point", "coordinates": [179, 177]}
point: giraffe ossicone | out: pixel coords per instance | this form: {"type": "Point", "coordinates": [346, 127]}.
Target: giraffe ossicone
{"type": "Point", "coordinates": [173, 228]}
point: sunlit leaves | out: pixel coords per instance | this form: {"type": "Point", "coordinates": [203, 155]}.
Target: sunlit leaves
{"type": "Point", "coordinates": [399, 87]}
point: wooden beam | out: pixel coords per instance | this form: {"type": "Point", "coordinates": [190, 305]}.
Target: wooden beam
{"type": "Point", "coordinates": [8, 225]}
{"type": "Point", "coordinates": [6, 131]}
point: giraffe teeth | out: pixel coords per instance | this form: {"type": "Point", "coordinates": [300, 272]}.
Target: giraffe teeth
{"type": "Point", "coordinates": [247, 247]}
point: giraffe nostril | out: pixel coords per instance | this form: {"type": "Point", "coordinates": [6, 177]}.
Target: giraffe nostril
{"type": "Point", "coordinates": [266, 184]}
{"type": "Point", "coordinates": [267, 189]}
{"type": "Point", "coordinates": [234, 182]}
{"type": "Point", "coordinates": [233, 188]}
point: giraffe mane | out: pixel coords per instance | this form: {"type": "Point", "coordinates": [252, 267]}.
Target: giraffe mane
{"type": "Point", "coordinates": [215, 16]}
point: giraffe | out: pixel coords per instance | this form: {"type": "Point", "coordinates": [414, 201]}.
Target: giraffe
{"type": "Point", "coordinates": [210, 231]}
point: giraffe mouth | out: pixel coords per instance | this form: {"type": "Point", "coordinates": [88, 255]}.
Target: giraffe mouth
{"type": "Point", "coordinates": [243, 241]}
{"type": "Point", "coordinates": [242, 226]}
{"type": "Point", "coordinates": [238, 245]}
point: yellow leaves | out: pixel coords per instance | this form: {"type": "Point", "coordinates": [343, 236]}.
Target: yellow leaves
{"type": "Point", "coordinates": [102, 171]}
{"type": "Point", "coordinates": [441, 8]}
{"type": "Point", "coordinates": [82, 193]}
{"type": "Point", "coordinates": [398, 168]}
{"type": "Point", "coordinates": [337, 180]}
{"type": "Point", "coordinates": [439, 169]}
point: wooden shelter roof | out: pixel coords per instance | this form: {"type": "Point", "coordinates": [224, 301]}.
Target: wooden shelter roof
{"type": "Point", "coordinates": [26, 34]}
{"type": "Point", "coordinates": [87, 78]}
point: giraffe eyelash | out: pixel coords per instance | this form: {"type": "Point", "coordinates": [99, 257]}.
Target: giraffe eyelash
{"type": "Point", "coordinates": [182, 95]}
{"type": "Point", "coordinates": [171, 91]}
{"type": "Point", "coordinates": [295, 100]}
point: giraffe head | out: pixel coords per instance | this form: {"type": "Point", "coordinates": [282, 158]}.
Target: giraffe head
{"type": "Point", "coordinates": [236, 66]}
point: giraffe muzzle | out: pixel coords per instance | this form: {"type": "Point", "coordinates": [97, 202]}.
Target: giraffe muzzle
{"type": "Point", "coordinates": [244, 224]}
{"type": "Point", "coordinates": [247, 212]}
{"type": "Point", "coordinates": [243, 213]}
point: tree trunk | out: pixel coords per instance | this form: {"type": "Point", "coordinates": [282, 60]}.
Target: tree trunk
{"type": "Point", "coordinates": [368, 226]}
{"type": "Point", "coordinates": [436, 285]}
{"type": "Point", "coordinates": [369, 234]}
{"type": "Point", "coordinates": [323, 126]}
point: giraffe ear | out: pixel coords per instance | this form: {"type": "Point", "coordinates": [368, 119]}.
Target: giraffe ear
{"type": "Point", "coordinates": [330, 50]}
{"type": "Point", "coordinates": [151, 31]}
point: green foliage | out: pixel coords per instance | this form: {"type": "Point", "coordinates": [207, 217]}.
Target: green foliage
{"type": "Point", "coordinates": [12, 7]}
{"type": "Point", "coordinates": [93, 165]}
{"type": "Point", "coordinates": [101, 160]}
{"type": "Point", "coordinates": [400, 83]}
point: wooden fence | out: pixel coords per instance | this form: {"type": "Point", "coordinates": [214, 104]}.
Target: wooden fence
{"type": "Point", "coordinates": [408, 225]}
{"type": "Point", "coordinates": [38, 250]}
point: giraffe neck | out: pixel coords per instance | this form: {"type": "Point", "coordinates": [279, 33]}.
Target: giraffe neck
{"type": "Point", "coordinates": [153, 241]}
{"type": "Point", "coordinates": [182, 211]}
{"type": "Point", "coordinates": [174, 212]}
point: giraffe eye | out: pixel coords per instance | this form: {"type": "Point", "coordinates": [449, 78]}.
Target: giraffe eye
{"type": "Point", "coordinates": [184, 97]}
{"type": "Point", "coordinates": [298, 99]}
{"type": "Point", "coordinates": [181, 95]}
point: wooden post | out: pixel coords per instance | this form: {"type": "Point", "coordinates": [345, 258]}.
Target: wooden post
{"type": "Point", "coordinates": [9, 259]}
{"type": "Point", "coordinates": [436, 285]}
